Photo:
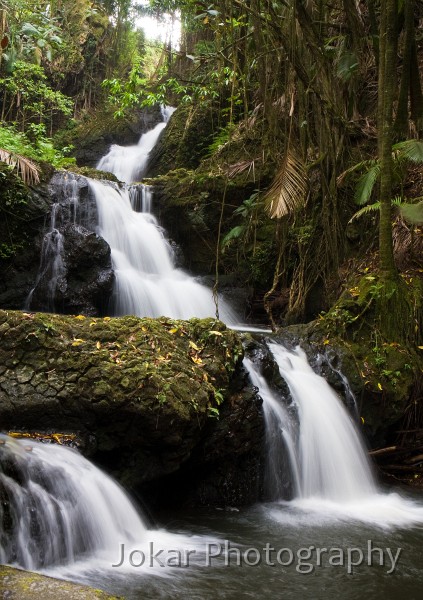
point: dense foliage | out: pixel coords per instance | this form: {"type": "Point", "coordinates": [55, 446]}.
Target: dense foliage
{"type": "Point", "coordinates": [311, 103]}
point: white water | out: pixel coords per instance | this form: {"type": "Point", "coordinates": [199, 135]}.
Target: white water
{"type": "Point", "coordinates": [332, 461]}
{"type": "Point", "coordinates": [128, 163]}
{"type": "Point", "coordinates": [332, 475]}
{"type": "Point", "coordinates": [52, 263]}
{"type": "Point", "coordinates": [62, 507]}
{"type": "Point", "coordinates": [280, 438]}
{"type": "Point", "coordinates": [61, 513]}
{"type": "Point", "coordinates": [147, 282]}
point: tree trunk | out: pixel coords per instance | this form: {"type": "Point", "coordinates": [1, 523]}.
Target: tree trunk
{"type": "Point", "coordinates": [386, 87]}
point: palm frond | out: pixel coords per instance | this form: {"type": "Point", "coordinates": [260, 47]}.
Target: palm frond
{"type": "Point", "coordinates": [412, 213]}
{"type": "Point", "coordinates": [365, 184]}
{"type": "Point", "coordinates": [240, 167]}
{"type": "Point", "coordinates": [289, 188]}
{"type": "Point", "coordinates": [364, 164]}
{"type": "Point", "coordinates": [409, 150]}
{"type": "Point", "coordinates": [369, 208]}
{"type": "Point", "coordinates": [25, 168]}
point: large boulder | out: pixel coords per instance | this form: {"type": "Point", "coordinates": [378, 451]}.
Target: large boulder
{"type": "Point", "coordinates": [146, 397]}
{"type": "Point", "coordinates": [51, 259]}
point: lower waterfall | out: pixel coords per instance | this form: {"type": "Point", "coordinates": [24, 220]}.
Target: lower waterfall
{"type": "Point", "coordinates": [58, 511]}
{"type": "Point", "coordinates": [315, 443]}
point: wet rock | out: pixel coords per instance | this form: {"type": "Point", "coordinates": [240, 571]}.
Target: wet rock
{"type": "Point", "coordinates": [16, 584]}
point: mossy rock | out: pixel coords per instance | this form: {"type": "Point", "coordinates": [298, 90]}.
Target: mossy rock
{"type": "Point", "coordinates": [144, 388]}
{"type": "Point", "coordinates": [16, 584]}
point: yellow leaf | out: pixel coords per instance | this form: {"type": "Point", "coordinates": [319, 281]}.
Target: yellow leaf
{"type": "Point", "coordinates": [77, 342]}
{"type": "Point", "coordinates": [93, 323]}
{"type": "Point", "coordinates": [106, 318]}
{"type": "Point", "coordinates": [362, 420]}
{"type": "Point", "coordinates": [379, 386]}
{"type": "Point", "coordinates": [420, 347]}
{"type": "Point", "coordinates": [197, 360]}
{"type": "Point", "coordinates": [326, 342]}
{"type": "Point", "coordinates": [192, 345]}
{"type": "Point", "coordinates": [215, 333]}
{"type": "Point", "coordinates": [80, 317]}
{"type": "Point", "coordinates": [174, 330]}
{"type": "Point", "coordinates": [98, 345]}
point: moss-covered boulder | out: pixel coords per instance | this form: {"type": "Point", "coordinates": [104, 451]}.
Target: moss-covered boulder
{"type": "Point", "coordinates": [143, 393]}
{"type": "Point", "coordinates": [16, 584]}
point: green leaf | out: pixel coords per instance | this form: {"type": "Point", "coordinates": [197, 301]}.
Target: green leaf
{"type": "Point", "coordinates": [234, 233]}
{"type": "Point", "coordinates": [366, 184]}
{"type": "Point", "coordinates": [412, 213]}
{"type": "Point", "coordinates": [347, 65]}
{"type": "Point", "coordinates": [29, 29]}
{"type": "Point", "coordinates": [365, 210]}
{"type": "Point", "coordinates": [409, 150]}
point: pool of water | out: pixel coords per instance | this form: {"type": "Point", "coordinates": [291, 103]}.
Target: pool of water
{"type": "Point", "coordinates": [281, 550]}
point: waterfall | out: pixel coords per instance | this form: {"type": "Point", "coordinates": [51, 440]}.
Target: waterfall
{"type": "Point", "coordinates": [316, 443]}
{"type": "Point", "coordinates": [147, 283]}
{"type": "Point", "coordinates": [57, 508]}
{"type": "Point", "coordinates": [52, 264]}
{"type": "Point", "coordinates": [129, 163]}
{"type": "Point", "coordinates": [280, 429]}
{"type": "Point", "coordinates": [332, 460]}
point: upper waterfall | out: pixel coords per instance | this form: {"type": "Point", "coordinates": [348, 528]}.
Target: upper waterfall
{"type": "Point", "coordinates": [147, 282]}
{"type": "Point", "coordinates": [129, 163]}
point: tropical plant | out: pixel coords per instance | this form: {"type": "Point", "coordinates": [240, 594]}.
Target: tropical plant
{"type": "Point", "coordinates": [403, 153]}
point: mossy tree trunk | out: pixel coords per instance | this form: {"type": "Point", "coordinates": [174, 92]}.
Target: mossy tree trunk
{"type": "Point", "coordinates": [386, 88]}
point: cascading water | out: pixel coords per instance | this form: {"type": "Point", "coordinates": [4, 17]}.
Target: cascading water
{"type": "Point", "coordinates": [52, 265]}
{"type": "Point", "coordinates": [147, 282]}
{"type": "Point", "coordinates": [58, 508]}
{"type": "Point", "coordinates": [332, 461]}
{"type": "Point", "coordinates": [281, 441]}
{"type": "Point", "coordinates": [129, 163]}
{"type": "Point", "coordinates": [60, 513]}
{"type": "Point", "coordinates": [331, 473]}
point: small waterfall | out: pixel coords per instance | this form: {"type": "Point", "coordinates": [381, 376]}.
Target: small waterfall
{"type": "Point", "coordinates": [129, 163]}
{"type": "Point", "coordinates": [52, 265]}
{"type": "Point", "coordinates": [57, 508]}
{"type": "Point", "coordinates": [332, 461]}
{"type": "Point", "coordinates": [327, 461]}
{"type": "Point", "coordinates": [280, 441]}
{"type": "Point", "coordinates": [147, 282]}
